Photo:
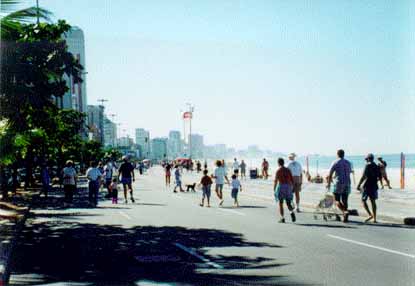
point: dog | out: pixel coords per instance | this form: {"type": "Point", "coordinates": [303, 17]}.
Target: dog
{"type": "Point", "coordinates": [191, 187]}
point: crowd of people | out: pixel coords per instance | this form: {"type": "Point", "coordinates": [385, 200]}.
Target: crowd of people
{"type": "Point", "coordinates": [288, 182]}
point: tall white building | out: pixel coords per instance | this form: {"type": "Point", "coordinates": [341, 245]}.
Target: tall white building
{"type": "Point", "coordinates": [142, 139]}
{"type": "Point", "coordinates": [75, 98]}
{"type": "Point", "coordinates": [174, 144]}
{"type": "Point", "coordinates": [96, 122]}
{"type": "Point", "coordinates": [159, 149]}
{"type": "Point", "coordinates": [110, 133]}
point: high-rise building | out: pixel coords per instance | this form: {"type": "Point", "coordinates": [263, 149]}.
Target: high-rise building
{"type": "Point", "coordinates": [125, 142]}
{"type": "Point", "coordinates": [174, 144]}
{"type": "Point", "coordinates": [110, 133]}
{"type": "Point", "coordinates": [159, 149]}
{"type": "Point", "coordinates": [197, 146]}
{"type": "Point", "coordinates": [75, 98]}
{"type": "Point", "coordinates": [142, 139]}
{"type": "Point", "coordinates": [96, 122]}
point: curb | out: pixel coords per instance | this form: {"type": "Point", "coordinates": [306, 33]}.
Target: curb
{"type": "Point", "coordinates": [8, 246]}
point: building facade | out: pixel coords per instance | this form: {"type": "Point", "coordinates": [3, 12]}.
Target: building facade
{"type": "Point", "coordinates": [142, 139]}
{"type": "Point", "coordinates": [159, 149]}
{"type": "Point", "coordinates": [96, 123]}
{"type": "Point", "coordinates": [75, 98]}
{"type": "Point", "coordinates": [174, 144]}
{"type": "Point", "coordinates": [110, 133]}
{"type": "Point", "coordinates": [196, 146]}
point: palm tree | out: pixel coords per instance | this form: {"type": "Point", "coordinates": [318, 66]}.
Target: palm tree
{"type": "Point", "coordinates": [10, 17]}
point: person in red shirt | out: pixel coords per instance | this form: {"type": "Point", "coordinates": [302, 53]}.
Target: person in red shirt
{"type": "Point", "coordinates": [283, 189]}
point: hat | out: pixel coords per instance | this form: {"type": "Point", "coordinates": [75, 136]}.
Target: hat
{"type": "Point", "coordinates": [369, 157]}
{"type": "Point", "coordinates": [291, 156]}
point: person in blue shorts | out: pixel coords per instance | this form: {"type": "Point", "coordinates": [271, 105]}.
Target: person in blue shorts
{"type": "Point", "coordinates": [283, 190]}
{"type": "Point", "coordinates": [371, 176]}
{"type": "Point", "coordinates": [178, 178]}
{"type": "Point", "coordinates": [206, 183]}
{"type": "Point", "coordinates": [236, 187]}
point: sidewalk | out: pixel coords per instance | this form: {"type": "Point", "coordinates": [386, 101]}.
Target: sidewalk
{"type": "Point", "coordinates": [12, 218]}
{"type": "Point", "coordinates": [393, 205]}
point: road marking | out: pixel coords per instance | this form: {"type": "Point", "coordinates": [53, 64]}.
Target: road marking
{"type": "Point", "coordinates": [232, 211]}
{"type": "Point", "coordinates": [372, 246]}
{"type": "Point", "coordinates": [124, 215]}
{"type": "Point", "coordinates": [200, 257]}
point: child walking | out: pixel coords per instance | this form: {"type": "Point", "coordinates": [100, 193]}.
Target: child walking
{"type": "Point", "coordinates": [177, 176]}
{"type": "Point", "coordinates": [236, 187]}
{"type": "Point", "coordinates": [206, 183]}
{"type": "Point", "coordinates": [114, 191]}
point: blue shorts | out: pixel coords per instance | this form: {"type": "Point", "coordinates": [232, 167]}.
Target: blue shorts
{"type": "Point", "coordinates": [219, 187]}
{"type": "Point", "coordinates": [369, 194]}
{"type": "Point", "coordinates": [206, 191]}
{"type": "Point", "coordinates": [341, 189]}
{"type": "Point", "coordinates": [234, 193]}
{"type": "Point", "coordinates": [126, 181]}
{"type": "Point", "coordinates": [178, 183]}
{"type": "Point", "coordinates": [283, 192]}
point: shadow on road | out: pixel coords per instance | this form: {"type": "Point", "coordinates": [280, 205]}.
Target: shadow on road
{"type": "Point", "coordinates": [54, 251]}
{"type": "Point", "coordinates": [325, 225]}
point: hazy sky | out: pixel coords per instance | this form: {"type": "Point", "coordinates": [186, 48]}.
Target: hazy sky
{"type": "Point", "coordinates": [303, 76]}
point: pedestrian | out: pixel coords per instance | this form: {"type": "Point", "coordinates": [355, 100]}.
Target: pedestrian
{"type": "Point", "coordinates": [382, 167]}
{"type": "Point", "coordinates": [297, 173]}
{"type": "Point", "coordinates": [206, 183]}
{"type": "Point", "coordinates": [177, 176]}
{"type": "Point", "coordinates": [370, 177]}
{"type": "Point", "coordinates": [235, 166]}
{"type": "Point", "coordinates": [220, 176]}
{"type": "Point", "coordinates": [205, 165]}
{"type": "Point", "coordinates": [140, 167]}
{"type": "Point", "coordinates": [236, 187]}
{"type": "Point", "coordinates": [69, 182]}
{"type": "Point", "coordinates": [167, 170]}
{"type": "Point", "coordinates": [283, 185]}
{"type": "Point", "coordinates": [126, 172]}
{"type": "Point", "coordinates": [94, 176]}
{"type": "Point", "coordinates": [198, 166]}
{"type": "Point", "coordinates": [340, 173]}
{"type": "Point", "coordinates": [45, 178]}
{"type": "Point", "coordinates": [114, 191]}
{"type": "Point", "coordinates": [243, 169]}
{"type": "Point", "coordinates": [101, 169]}
{"type": "Point", "coordinates": [108, 174]}
{"type": "Point", "coordinates": [265, 166]}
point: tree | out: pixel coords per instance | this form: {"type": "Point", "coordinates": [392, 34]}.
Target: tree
{"type": "Point", "coordinates": [12, 17]}
{"type": "Point", "coordinates": [34, 61]}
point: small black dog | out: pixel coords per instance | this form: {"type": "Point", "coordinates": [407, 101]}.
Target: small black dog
{"type": "Point", "coordinates": [191, 187]}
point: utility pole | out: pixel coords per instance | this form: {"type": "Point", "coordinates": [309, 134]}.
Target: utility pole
{"type": "Point", "coordinates": [37, 12]}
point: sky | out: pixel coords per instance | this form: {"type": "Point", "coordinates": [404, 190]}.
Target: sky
{"type": "Point", "coordinates": [289, 76]}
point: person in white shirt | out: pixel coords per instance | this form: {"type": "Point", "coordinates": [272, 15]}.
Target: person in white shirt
{"type": "Point", "coordinates": [297, 173]}
{"type": "Point", "coordinates": [94, 176]}
{"type": "Point", "coordinates": [220, 176]}
{"type": "Point", "coordinates": [235, 166]}
{"type": "Point", "coordinates": [69, 181]}
{"type": "Point", "coordinates": [236, 187]}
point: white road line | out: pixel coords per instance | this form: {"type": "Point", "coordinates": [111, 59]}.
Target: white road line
{"type": "Point", "coordinates": [124, 215]}
{"type": "Point", "coordinates": [200, 257]}
{"type": "Point", "coordinates": [232, 211]}
{"type": "Point", "coordinates": [372, 246]}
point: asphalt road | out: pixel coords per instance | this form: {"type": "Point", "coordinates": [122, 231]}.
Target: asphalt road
{"type": "Point", "coordinates": [168, 239]}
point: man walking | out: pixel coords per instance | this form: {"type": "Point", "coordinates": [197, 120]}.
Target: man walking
{"type": "Point", "coordinates": [108, 173]}
{"type": "Point", "coordinates": [265, 166]}
{"type": "Point", "coordinates": [340, 171]}
{"type": "Point", "coordinates": [297, 173]}
{"type": "Point", "coordinates": [382, 167]}
{"type": "Point", "coordinates": [94, 178]}
{"type": "Point", "coordinates": [243, 169]}
{"type": "Point", "coordinates": [126, 176]}
{"type": "Point", "coordinates": [220, 176]}
{"type": "Point", "coordinates": [235, 166]}
{"type": "Point", "coordinates": [69, 182]}
{"type": "Point", "coordinates": [370, 177]}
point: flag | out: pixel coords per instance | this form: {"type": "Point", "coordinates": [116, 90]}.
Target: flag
{"type": "Point", "coordinates": [187, 115]}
